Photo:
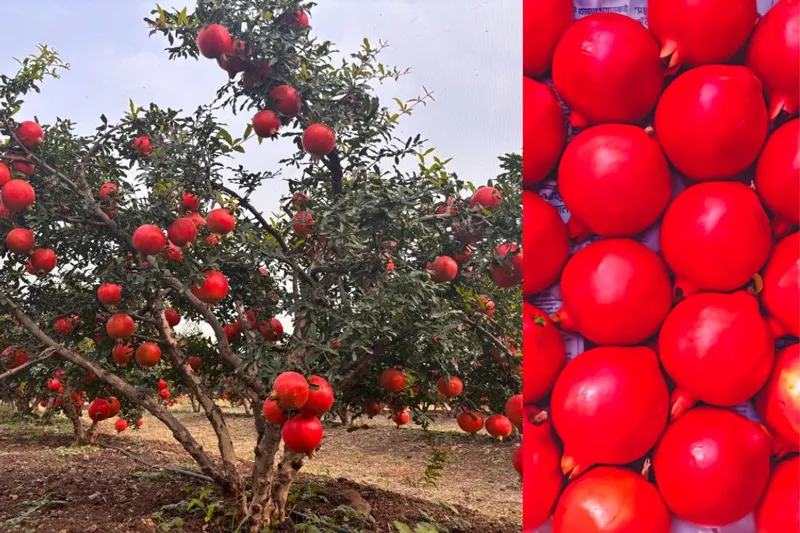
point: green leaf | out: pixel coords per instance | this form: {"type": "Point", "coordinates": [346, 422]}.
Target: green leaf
{"type": "Point", "coordinates": [401, 527]}
{"type": "Point", "coordinates": [194, 502]}
{"type": "Point", "coordinates": [182, 18]}
{"type": "Point", "coordinates": [225, 136]}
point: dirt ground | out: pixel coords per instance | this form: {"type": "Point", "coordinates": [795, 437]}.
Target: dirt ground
{"type": "Point", "coordinates": [48, 486]}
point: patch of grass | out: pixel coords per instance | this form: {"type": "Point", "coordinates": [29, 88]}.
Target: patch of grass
{"type": "Point", "coordinates": [64, 451]}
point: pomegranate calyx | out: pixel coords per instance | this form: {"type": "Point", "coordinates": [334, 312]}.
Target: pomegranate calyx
{"type": "Point", "coordinates": [680, 402]}
{"type": "Point", "coordinates": [683, 289]}
{"type": "Point", "coordinates": [670, 51]}
{"type": "Point", "coordinates": [570, 467]}
{"type": "Point", "coordinates": [756, 285]}
{"type": "Point", "coordinates": [562, 319]}
{"type": "Point", "coordinates": [577, 230]}
{"type": "Point", "coordinates": [777, 105]}
{"type": "Point", "coordinates": [576, 120]}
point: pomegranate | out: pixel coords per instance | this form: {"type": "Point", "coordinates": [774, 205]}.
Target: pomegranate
{"type": "Point", "coordinates": [516, 460]}
{"type": "Point", "coordinates": [546, 353]}
{"type": "Point", "coordinates": [695, 33]}
{"type": "Point", "coordinates": [401, 418]}
{"type": "Point", "coordinates": [450, 387]}
{"type": "Point", "coordinates": [53, 384]}
{"type": "Point", "coordinates": [712, 121]}
{"type": "Point", "coordinates": [393, 380]}
{"type": "Point", "coordinates": [443, 269]}
{"type": "Point", "coordinates": [99, 410]}
{"type": "Point", "coordinates": [108, 191]}
{"type": "Point", "coordinates": [298, 19]}
{"type": "Point", "coordinates": [545, 235]}
{"type": "Point", "coordinates": [142, 146]}
{"type": "Point", "coordinates": [462, 256]}
{"type": "Point", "coordinates": [20, 241]}
{"type": "Point", "coordinates": [121, 354]}
{"type": "Point", "coordinates": [115, 405]}
{"type": "Point", "coordinates": [712, 466]}
{"type": "Point", "coordinates": [619, 79]}
{"type": "Point", "coordinates": [779, 508]}
{"type": "Point", "coordinates": [172, 316]}
{"type": "Point", "coordinates": [544, 130]}
{"type": "Point", "coordinates": [232, 331]}
{"type": "Point", "coordinates": [148, 354]}
{"type": "Point", "coordinates": [5, 174]}
{"type": "Point", "coordinates": [211, 240]}
{"type": "Point", "coordinates": [612, 500]}
{"type": "Point", "coordinates": [543, 480]}
{"type": "Point", "coordinates": [220, 221]}
{"type": "Point", "coordinates": [140, 422]}
{"type": "Point", "coordinates": [162, 385]}
{"type": "Point", "coordinates": [774, 55]}
{"type": "Point", "coordinates": [121, 425]}
{"type": "Point", "coordinates": [717, 349]}
{"type": "Point", "coordinates": [266, 123]}
{"type": "Point", "coordinates": [190, 202]}
{"type": "Point", "coordinates": [320, 397]}
{"type": "Point", "coordinates": [498, 426]}
{"type": "Point", "coordinates": [302, 433]}
{"type": "Point", "coordinates": [543, 23]}
{"type": "Point", "coordinates": [286, 100]}
{"type": "Point", "coordinates": [486, 198]}
{"type": "Point", "coordinates": [213, 41]}
{"type": "Point", "coordinates": [319, 140]}
{"type": "Point", "coordinates": [213, 289]}
{"type": "Point", "coordinates": [614, 291]}
{"type": "Point", "coordinates": [781, 292]}
{"type": "Point", "coordinates": [173, 253]}
{"type": "Point", "coordinates": [291, 390]}
{"type": "Point", "coordinates": [43, 260]}
{"type": "Point", "coordinates": [508, 273]}
{"type": "Point", "coordinates": [164, 393]}
{"type": "Point", "coordinates": [120, 326]}
{"type": "Point", "coordinates": [149, 239]}
{"type": "Point", "coordinates": [182, 232]}
{"type": "Point", "coordinates": [62, 326]}
{"type": "Point", "coordinates": [233, 59]}
{"type": "Point", "coordinates": [16, 357]}
{"type": "Point", "coordinates": [778, 172]}
{"type": "Point", "coordinates": [255, 74]}
{"type": "Point", "coordinates": [778, 403]}
{"type": "Point", "coordinates": [514, 410]}
{"type": "Point", "coordinates": [271, 329]}
{"type": "Point", "coordinates": [372, 409]}
{"type": "Point", "coordinates": [303, 223]}
{"type": "Point", "coordinates": [614, 180]}
{"type": "Point", "coordinates": [715, 236]}
{"type": "Point", "coordinates": [25, 168]}
{"type": "Point", "coordinates": [470, 421]}
{"type": "Point", "coordinates": [109, 294]}
{"type": "Point", "coordinates": [17, 195]}
{"type": "Point", "coordinates": [29, 134]}
{"type": "Point", "coordinates": [273, 413]}
{"type": "Point", "coordinates": [194, 362]}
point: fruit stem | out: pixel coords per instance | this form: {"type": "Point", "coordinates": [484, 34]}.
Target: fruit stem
{"type": "Point", "coordinates": [562, 319]}
{"type": "Point", "coordinates": [681, 401]}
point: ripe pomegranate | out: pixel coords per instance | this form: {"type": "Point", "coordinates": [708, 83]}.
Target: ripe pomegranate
{"type": "Point", "coordinates": [393, 380]}
{"type": "Point", "coordinates": [302, 433]}
{"type": "Point", "coordinates": [15, 356]}
{"type": "Point", "coordinates": [614, 180]}
{"type": "Point", "coordinates": [140, 422]}
{"type": "Point", "coordinates": [220, 221]}
{"type": "Point", "coordinates": [543, 23]}
{"type": "Point", "coordinates": [213, 41]}
{"type": "Point", "coordinates": [271, 329]}
{"type": "Point", "coordinates": [149, 239]}
{"type": "Point", "coordinates": [544, 130]}
{"type": "Point", "coordinates": [190, 202]}
{"type": "Point", "coordinates": [5, 174]}
{"type": "Point", "coordinates": [543, 480]}
{"type": "Point", "coordinates": [142, 146]}
{"type": "Point", "coordinates": [213, 289]}
{"type": "Point", "coordinates": [115, 405]}
{"type": "Point", "coordinates": [164, 393]}
{"type": "Point", "coordinates": [712, 466]}
{"type": "Point", "coordinates": [486, 198]}
{"type": "Point", "coordinates": [62, 326]}
{"type": "Point", "coordinates": [291, 390]}
{"type": "Point", "coordinates": [148, 354]}
{"type": "Point", "coordinates": [99, 410]}
{"type": "Point", "coordinates": [619, 81]}
{"type": "Point", "coordinates": [298, 19]}
{"type": "Point", "coordinates": [498, 426]}
{"type": "Point", "coordinates": [255, 74]}
{"type": "Point", "coordinates": [108, 190]}
{"type": "Point", "coordinates": [470, 421]}
{"type": "Point", "coordinates": [194, 362]}
{"type": "Point", "coordinates": [121, 354]}
{"type": "Point", "coordinates": [778, 403]}
{"type": "Point", "coordinates": [508, 273]}
{"type": "Point", "coordinates": [20, 241]}
{"type": "Point", "coordinates": [109, 294]}
{"type": "Point", "coordinates": [286, 100]}
{"type": "Point", "coordinates": [120, 326]}
{"type": "Point", "coordinates": [546, 235]}
{"type": "Point", "coordinates": [172, 316]}
{"type": "Point", "coordinates": [273, 413]}
{"type": "Point", "coordinates": [182, 232]}
{"type": "Point", "coordinates": [29, 134]}
{"type": "Point", "coordinates": [121, 425]}
{"type": "Point", "coordinates": [777, 172]}
{"type": "Point", "coordinates": [450, 387]}
{"type": "Point", "coordinates": [781, 292]}
{"type": "Point", "coordinates": [462, 256]}
{"type": "Point", "coordinates": [514, 410]}
{"type": "Point", "coordinates": [717, 349]}
{"type": "Point", "coordinates": [266, 123]}
{"type": "Point", "coordinates": [401, 418]}
{"type": "Point", "coordinates": [43, 260]}
{"type": "Point", "coordinates": [320, 397]}
{"type": "Point", "coordinates": [443, 269]}
{"type": "Point", "coordinates": [609, 406]}
{"type": "Point", "coordinates": [779, 508]}
{"type": "Point", "coordinates": [612, 500]}
{"type": "Point", "coordinates": [17, 195]}
{"type": "Point", "coordinates": [53, 384]}
{"type": "Point", "coordinates": [232, 331]}
{"type": "Point", "coordinates": [233, 59]}
{"type": "Point", "coordinates": [211, 240]}
{"type": "Point", "coordinates": [162, 385]}
{"type": "Point", "coordinates": [319, 140]}
{"type": "Point", "coordinates": [774, 55]}
{"type": "Point", "coordinates": [715, 236]}
{"type": "Point", "coordinates": [303, 223]}
{"type": "Point", "coordinates": [546, 353]}
{"type": "Point", "coordinates": [712, 121]}
{"type": "Point", "coordinates": [614, 291]}
{"type": "Point", "coordinates": [695, 33]}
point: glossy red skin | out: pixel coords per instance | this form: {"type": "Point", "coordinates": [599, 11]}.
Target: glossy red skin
{"type": "Point", "coordinates": [120, 326]}
{"type": "Point", "coordinates": [393, 380]}
{"type": "Point", "coordinates": [401, 418]}
{"type": "Point", "coordinates": [286, 100]}
{"type": "Point", "coordinates": [273, 413]}
{"type": "Point", "coordinates": [302, 433]}
{"type": "Point", "coordinates": [109, 293]}
{"type": "Point", "coordinates": [214, 287]}
{"type": "Point", "coordinates": [319, 140]}
{"type": "Point", "coordinates": [774, 55]}
{"type": "Point", "coordinates": [319, 400]}
{"type": "Point", "coordinates": [611, 500]}
{"type": "Point", "coordinates": [148, 354]}
{"type": "Point", "coordinates": [781, 292]}
{"type": "Point", "coordinates": [717, 348]}
{"type": "Point", "coordinates": [712, 121]}
{"type": "Point", "coordinates": [778, 172]}
{"type": "Point", "coordinates": [266, 123]}
{"type": "Point", "coordinates": [291, 389]}
{"type": "Point", "coordinates": [696, 33]}
{"type": "Point", "coordinates": [609, 406]}
{"type": "Point", "coordinates": [43, 260]}
{"type": "Point", "coordinates": [303, 223]}
{"type": "Point", "coordinates": [182, 232]}
{"type": "Point", "coordinates": [194, 362]}
{"type": "Point", "coordinates": [712, 466]}
{"type": "Point", "coordinates": [20, 241]}
{"type": "Point", "coordinates": [121, 425]}
{"type": "Point", "coordinates": [121, 354]}
{"type": "Point", "coordinates": [619, 81]}
{"type": "Point", "coordinates": [115, 406]}
{"type": "Point", "coordinates": [544, 131]}
{"type": "Point", "coordinates": [17, 195]}
{"type": "Point", "coordinates": [545, 238]}
{"type": "Point", "coordinates": [778, 403]}
{"type": "Point", "coordinates": [498, 426]}
{"type": "Point", "coordinates": [233, 60]}
{"type": "Point", "coordinates": [99, 409]}
{"type": "Point", "coordinates": [615, 180]}
{"type": "Point", "coordinates": [715, 236]}
{"type": "Point", "coordinates": [443, 269]}
{"type": "Point", "coordinates": [469, 421]}
{"type": "Point", "coordinates": [162, 384]}
{"type": "Point", "coordinates": [486, 198]}
{"type": "Point", "coordinates": [450, 388]}
{"type": "Point", "coordinates": [191, 202]}
{"type": "Point", "coordinates": [514, 410]}
{"type": "Point", "coordinates": [779, 509]}
{"type": "Point", "coordinates": [543, 480]}
{"type": "Point", "coordinates": [543, 24]}
{"type": "Point", "coordinates": [23, 167]}
{"type": "Point", "coordinates": [271, 329]}
{"type": "Point", "coordinates": [374, 408]}
{"type": "Point", "coordinates": [143, 146]}
{"type": "Point", "coordinates": [220, 221]}
{"type": "Point", "coordinates": [107, 190]}
{"type": "Point", "coordinates": [172, 316]}
{"type": "Point", "coordinates": [5, 174]}
{"type": "Point", "coordinates": [62, 326]}
{"type": "Point", "coordinates": [545, 354]}
{"type": "Point", "coordinates": [213, 41]}
{"type": "Point", "coordinates": [508, 274]}
{"type": "Point", "coordinates": [614, 291]}
{"type": "Point", "coordinates": [149, 239]}
{"type": "Point", "coordinates": [29, 134]}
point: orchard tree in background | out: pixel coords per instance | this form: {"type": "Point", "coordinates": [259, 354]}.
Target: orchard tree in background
{"type": "Point", "coordinates": [400, 280]}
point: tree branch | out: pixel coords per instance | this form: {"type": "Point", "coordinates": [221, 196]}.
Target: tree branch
{"type": "Point", "coordinates": [138, 459]}
{"type": "Point", "coordinates": [46, 354]}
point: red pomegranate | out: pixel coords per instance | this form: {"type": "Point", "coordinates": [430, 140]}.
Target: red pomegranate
{"type": "Point", "coordinates": [498, 426]}
{"type": "Point", "coordinates": [393, 380]}
{"type": "Point", "coordinates": [372, 409]}
{"type": "Point", "coordinates": [443, 269]}
{"type": "Point", "coordinates": [543, 23]}
{"type": "Point", "coordinates": [614, 291]}
{"type": "Point", "coordinates": [190, 202]}
{"type": "Point", "coordinates": [108, 190]}
{"type": "Point", "coordinates": [543, 480]}
{"type": "Point", "coordinates": [302, 433]}
{"type": "Point", "coordinates": [29, 134]}
{"type": "Point", "coordinates": [121, 425]}
{"type": "Point", "coordinates": [774, 55]}
{"type": "Point", "coordinates": [162, 385]}
{"type": "Point", "coordinates": [778, 172]}
{"type": "Point", "coordinates": [778, 403]}
{"type": "Point", "coordinates": [255, 74]}
{"type": "Point", "coordinates": [779, 508]}
{"type": "Point", "coordinates": [717, 349]}
{"type": "Point", "coordinates": [120, 326]}
{"type": "Point", "coordinates": [545, 236]}
{"type": "Point", "coordinates": [611, 500]}
{"type": "Point", "coordinates": [619, 80]}
{"type": "Point", "coordinates": [298, 19]}
{"type": "Point", "coordinates": [508, 273]}
{"type": "Point", "coordinates": [53, 384]}
{"type": "Point", "coordinates": [173, 253]}
{"type": "Point", "coordinates": [213, 289]}
{"type": "Point", "coordinates": [149, 239]}
{"type": "Point", "coordinates": [213, 41]}
{"type": "Point", "coordinates": [20, 241]}
{"type": "Point", "coordinates": [291, 390]}
{"type": "Point", "coordinates": [109, 294]}
{"type": "Point", "coordinates": [712, 466]}
{"type": "Point", "coordinates": [62, 326]}
{"type": "Point", "coordinates": [99, 410]}
{"type": "Point", "coordinates": [273, 413]}
{"type": "Point", "coordinates": [450, 387]}
{"type": "Point", "coordinates": [320, 397]}
{"type": "Point", "coordinates": [220, 221]}
{"type": "Point", "coordinates": [781, 292]}
{"type": "Point", "coordinates": [514, 410]}
{"type": "Point", "coordinates": [712, 121]}
{"type": "Point", "coordinates": [16, 357]}
{"type": "Point", "coordinates": [401, 417]}
{"type": "Point", "coordinates": [115, 405]}
{"type": "Point", "coordinates": [546, 353]}
{"type": "Point", "coordinates": [121, 354]}
{"type": "Point", "coordinates": [25, 168]}
{"type": "Point", "coordinates": [615, 181]}
{"type": "Point", "coordinates": [303, 223]}
{"type": "Point", "coordinates": [319, 140]}
{"type": "Point", "coordinates": [43, 260]}
{"type": "Point", "coordinates": [148, 354]}
{"type": "Point", "coordinates": [165, 394]}
{"type": "Point", "coordinates": [271, 329]}
{"type": "Point", "coordinates": [486, 198]}
{"type": "Point", "coordinates": [266, 123]}
{"type": "Point", "coordinates": [172, 316]}
{"type": "Point", "coordinates": [696, 33]}
{"type": "Point", "coordinates": [5, 174]}
{"type": "Point", "coordinates": [544, 129]}
{"type": "Point", "coordinates": [715, 236]}
{"type": "Point", "coordinates": [609, 406]}
{"type": "Point", "coordinates": [470, 421]}
{"type": "Point", "coordinates": [286, 100]}
{"type": "Point", "coordinates": [233, 59]}
{"type": "Point", "coordinates": [142, 146]}
{"type": "Point", "coordinates": [181, 232]}
{"type": "Point", "coordinates": [194, 362]}
{"type": "Point", "coordinates": [17, 195]}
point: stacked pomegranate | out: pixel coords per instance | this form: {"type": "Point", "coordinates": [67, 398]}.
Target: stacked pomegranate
{"type": "Point", "coordinates": [662, 377]}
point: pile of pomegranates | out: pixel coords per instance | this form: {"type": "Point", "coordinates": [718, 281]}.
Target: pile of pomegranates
{"type": "Point", "coordinates": [661, 168]}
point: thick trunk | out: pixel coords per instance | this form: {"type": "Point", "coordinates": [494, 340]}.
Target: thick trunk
{"type": "Point", "coordinates": [269, 440]}
{"type": "Point", "coordinates": [49, 412]}
{"type": "Point", "coordinates": [345, 415]}
{"type": "Point", "coordinates": [246, 408]}
{"type": "Point", "coordinates": [74, 416]}
{"type": "Point", "coordinates": [287, 470]}
{"type": "Point", "coordinates": [195, 405]}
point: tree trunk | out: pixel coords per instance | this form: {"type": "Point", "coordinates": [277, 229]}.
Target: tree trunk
{"type": "Point", "coordinates": [290, 465]}
{"type": "Point", "coordinates": [345, 415]}
{"type": "Point", "coordinates": [74, 416]}
{"type": "Point", "coordinates": [49, 411]}
{"type": "Point", "coordinates": [246, 408]}
{"type": "Point", "coordinates": [195, 405]}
